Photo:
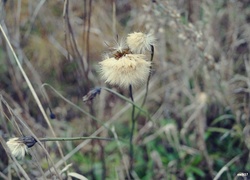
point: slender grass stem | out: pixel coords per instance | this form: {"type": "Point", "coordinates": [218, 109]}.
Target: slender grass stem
{"type": "Point", "coordinates": [88, 35]}
{"type": "Point", "coordinates": [131, 146]}
{"type": "Point", "coordinates": [33, 92]}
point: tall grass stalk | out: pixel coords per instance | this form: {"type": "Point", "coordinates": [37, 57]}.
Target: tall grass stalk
{"type": "Point", "coordinates": [31, 89]}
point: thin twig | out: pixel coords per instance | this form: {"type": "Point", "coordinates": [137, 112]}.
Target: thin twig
{"type": "Point", "coordinates": [73, 138]}
{"type": "Point", "coordinates": [65, 10]}
{"type": "Point", "coordinates": [87, 36]}
{"type": "Point", "coordinates": [72, 39]}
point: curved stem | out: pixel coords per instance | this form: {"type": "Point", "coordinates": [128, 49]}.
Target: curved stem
{"type": "Point", "coordinates": [147, 85]}
{"type": "Point", "coordinates": [149, 75]}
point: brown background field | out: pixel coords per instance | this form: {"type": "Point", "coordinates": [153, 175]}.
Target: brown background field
{"type": "Point", "coordinates": [198, 104]}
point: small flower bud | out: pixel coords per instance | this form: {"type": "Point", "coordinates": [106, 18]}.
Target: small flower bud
{"type": "Point", "coordinates": [29, 141]}
{"type": "Point", "coordinates": [91, 94]}
{"type": "Point", "coordinates": [19, 146]}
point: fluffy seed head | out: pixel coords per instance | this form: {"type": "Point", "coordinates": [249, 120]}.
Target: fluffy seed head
{"type": "Point", "coordinates": [17, 147]}
{"type": "Point", "coordinates": [139, 42]}
{"type": "Point", "coordinates": [129, 69]}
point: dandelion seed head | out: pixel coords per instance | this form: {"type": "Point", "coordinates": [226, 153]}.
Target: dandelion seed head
{"type": "Point", "coordinates": [139, 42]}
{"type": "Point", "coordinates": [17, 147]}
{"type": "Point", "coordinates": [129, 69]}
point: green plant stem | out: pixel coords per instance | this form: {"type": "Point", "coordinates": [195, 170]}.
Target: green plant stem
{"type": "Point", "coordinates": [147, 85]}
{"type": "Point", "coordinates": [131, 146]}
{"type": "Point", "coordinates": [73, 138]}
{"type": "Point", "coordinates": [131, 149]}
{"type": "Point", "coordinates": [149, 76]}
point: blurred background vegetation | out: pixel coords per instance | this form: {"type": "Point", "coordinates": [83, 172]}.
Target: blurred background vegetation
{"type": "Point", "coordinates": [198, 99]}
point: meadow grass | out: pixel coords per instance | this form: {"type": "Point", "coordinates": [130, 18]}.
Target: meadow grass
{"type": "Point", "coordinates": [190, 120]}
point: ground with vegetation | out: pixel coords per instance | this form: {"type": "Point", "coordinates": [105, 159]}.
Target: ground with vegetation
{"type": "Point", "coordinates": [194, 124]}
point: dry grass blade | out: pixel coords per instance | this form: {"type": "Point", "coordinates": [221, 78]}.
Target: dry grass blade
{"type": "Point", "coordinates": [31, 88]}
